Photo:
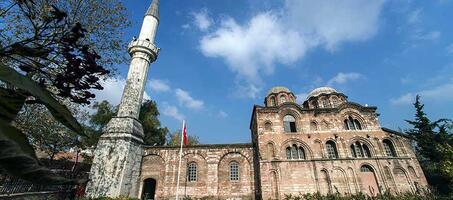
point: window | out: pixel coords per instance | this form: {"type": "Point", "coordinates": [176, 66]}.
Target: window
{"type": "Point", "coordinates": [366, 168]}
{"type": "Point", "coordinates": [295, 153]}
{"type": "Point", "coordinates": [325, 103]}
{"type": "Point", "coordinates": [282, 99]}
{"type": "Point", "coordinates": [331, 150]}
{"type": "Point", "coordinates": [389, 148]}
{"type": "Point", "coordinates": [335, 102]}
{"type": "Point", "coordinates": [268, 126]}
{"type": "Point", "coordinates": [313, 126]}
{"type": "Point", "coordinates": [352, 124]}
{"type": "Point", "coordinates": [192, 172]}
{"type": "Point", "coordinates": [289, 123]}
{"type": "Point", "coordinates": [234, 171]}
{"type": "Point", "coordinates": [288, 153]}
{"type": "Point", "coordinates": [301, 153]}
{"type": "Point", "coordinates": [359, 150]}
{"type": "Point", "coordinates": [272, 101]}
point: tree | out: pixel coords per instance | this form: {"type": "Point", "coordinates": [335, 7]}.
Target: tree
{"type": "Point", "coordinates": [104, 21]}
{"type": "Point", "coordinates": [174, 139]}
{"type": "Point", "coordinates": [44, 132]}
{"type": "Point", "coordinates": [45, 60]}
{"type": "Point", "coordinates": [154, 133]}
{"type": "Point", "coordinates": [433, 147]}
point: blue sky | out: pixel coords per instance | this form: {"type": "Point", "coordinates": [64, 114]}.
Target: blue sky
{"type": "Point", "coordinates": [219, 58]}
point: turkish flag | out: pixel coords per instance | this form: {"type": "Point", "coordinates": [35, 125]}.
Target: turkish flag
{"type": "Point", "coordinates": [184, 133]}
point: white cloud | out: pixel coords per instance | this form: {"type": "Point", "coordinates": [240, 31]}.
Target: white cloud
{"type": "Point", "coordinates": [342, 78]}
{"type": "Point", "coordinates": [185, 99]}
{"type": "Point", "coordinates": [159, 85]}
{"type": "Point", "coordinates": [172, 111]}
{"type": "Point", "coordinates": [222, 114]}
{"type": "Point", "coordinates": [253, 49]}
{"type": "Point", "coordinates": [440, 93]}
{"type": "Point", "coordinates": [113, 90]}
{"type": "Point", "coordinates": [202, 20]}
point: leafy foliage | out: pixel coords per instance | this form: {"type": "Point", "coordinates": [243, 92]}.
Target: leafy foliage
{"type": "Point", "coordinates": [386, 196]}
{"type": "Point", "coordinates": [154, 133]}
{"type": "Point", "coordinates": [45, 57]}
{"type": "Point", "coordinates": [434, 141]}
{"type": "Point", "coordinates": [174, 139]}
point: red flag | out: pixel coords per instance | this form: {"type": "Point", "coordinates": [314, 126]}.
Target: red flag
{"type": "Point", "coordinates": [184, 133]}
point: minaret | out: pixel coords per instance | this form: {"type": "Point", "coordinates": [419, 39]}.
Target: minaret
{"type": "Point", "coordinates": [117, 159]}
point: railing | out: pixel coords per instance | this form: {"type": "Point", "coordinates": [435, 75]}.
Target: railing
{"type": "Point", "coordinates": [10, 185]}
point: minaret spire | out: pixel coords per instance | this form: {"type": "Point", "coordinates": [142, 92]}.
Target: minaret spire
{"type": "Point", "coordinates": [153, 10]}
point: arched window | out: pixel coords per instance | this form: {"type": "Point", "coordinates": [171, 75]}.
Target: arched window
{"type": "Point", "coordinates": [267, 126]}
{"type": "Point", "coordinates": [325, 103]}
{"type": "Point", "coordinates": [389, 148]}
{"type": "Point", "coordinates": [234, 171]}
{"type": "Point", "coordinates": [272, 101]}
{"type": "Point", "coordinates": [366, 168]}
{"type": "Point", "coordinates": [301, 153]}
{"type": "Point", "coordinates": [359, 150]}
{"type": "Point", "coordinates": [289, 123]}
{"type": "Point", "coordinates": [331, 149]}
{"type": "Point", "coordinates": [352, 124]}
{"type": "Point", "coordinates": [288, 153]}
{"type": "Point", "coordinates": [313, 126]}
{"type": "Point", "coordinates": [334, 102]}
{"type": "Point", "coordinates": [357, 124]}
{"type": "Point", "coordinates": [192, 172]}
{"type": "Point", "coordinates": [294, 153]}
{"type": "Point", "coordinates": [282, 99]}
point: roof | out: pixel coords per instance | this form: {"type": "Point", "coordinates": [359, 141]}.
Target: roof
{"type": "Point", "coordinates": [395, 132]}
{"type": "Point", "coordinates": [321, 90]}
{"type": "Point", "coordinates": [153, 10]}
{"type": "Point", "coordinates": [278, 89]}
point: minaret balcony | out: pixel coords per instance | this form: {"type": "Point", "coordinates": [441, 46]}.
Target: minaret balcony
{"type": "Point", "coordinates": [145, 46]}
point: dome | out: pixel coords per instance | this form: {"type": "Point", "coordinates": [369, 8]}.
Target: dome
{"type": "Point", "coordinates": [322, 90]}
{"type": "Point", "coordinates": [278, 90]}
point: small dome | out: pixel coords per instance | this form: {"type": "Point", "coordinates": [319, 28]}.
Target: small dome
{"type": "Point", "coordinates": [278, 90]}
{"type": "Point", "coordinates": [322, 90]}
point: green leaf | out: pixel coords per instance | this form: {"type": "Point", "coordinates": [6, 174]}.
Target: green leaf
{"type": "Point", "coordinates": [17, 158]}
{"type": "Point", "coordinates": [59, 111]}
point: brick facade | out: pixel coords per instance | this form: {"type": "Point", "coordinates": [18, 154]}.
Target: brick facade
{"type": "Point", "coordinates": [325, 145]}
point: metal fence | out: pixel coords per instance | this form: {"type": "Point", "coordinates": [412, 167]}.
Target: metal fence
{"type": "Point", "coordinates": [10, 185]}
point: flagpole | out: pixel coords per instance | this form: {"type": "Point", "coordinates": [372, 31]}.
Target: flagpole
{"type": "Point", "coordinates": [180, 156]}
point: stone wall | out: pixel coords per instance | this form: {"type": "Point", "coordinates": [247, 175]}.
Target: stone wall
{"type": "Point", "coordinates": [213, 171]}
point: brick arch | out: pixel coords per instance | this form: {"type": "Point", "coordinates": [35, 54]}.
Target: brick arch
{"type": "Point", "coordinates": [193, 152]}
{"type": "Point", "coordinates": [369, 186]}
{"type": "Point", "coordinates": [354, 114]}
{"type": "Point", "coordinates": [341, 183]}
{"type": "Point", "coordinates": [395, 146]}
{"type": "Point", "coordinates": [404, 184]}
{"type": "Point", "coordinates": [227, 188]}
{"type": "Point", "coordinates": [324, 181]}
{"type": "Point", "coordinates": [151, 162]}
{"type": "Point", "coordinates": [155, 154]}
{"type": "Point", "coordinates": [274, 149]}
{"type": "Point", "coordinates": [353, 177]}
{"type": "Point", "coordinates": [227, 152]}
{"type": "Point", "coordinates": [292, 141]}
{"type": "Point", "coordinates": [371, 146]}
